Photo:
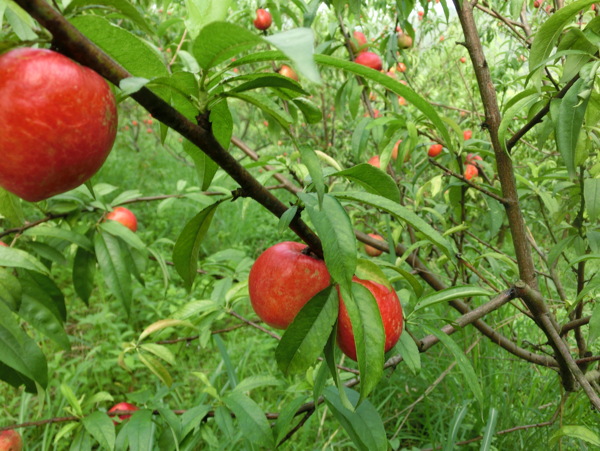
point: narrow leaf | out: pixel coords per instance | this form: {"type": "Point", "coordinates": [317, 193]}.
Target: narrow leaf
{"type": "Point", "coordinates": [363, 425]}
{"type": "Point", "coordinates": [187, 247]}
{"type": "Point", "coordinates": [471, 382]}
{"type": "Point", "coordinates": [545, 38]}
{"type": "Point", "coordinates": [113, 267]}
{"type": "Point", "coordinates": [101, 427]}
{"type": "Point", "coordinates": [305, 338]}
{"type": "Point", "coordinates": [410, 353]}
{"type": "Point", "coordinates": [312, 163]}
{"type": "Point", "coordinates": [369, 336]}
{"type": "Point", "coordinates": [591, 193]}
{"type": "Point", "coordinates": [569, 122]}
{"type": "Point", "coordinates": [374, 180]}
{"type": "Point", "coordinates": [19, 352]}
{"type": "Point", "coordinates": [163, 324]}
{"type": "Point", "coordinates": [450, 294]}
{"type": "Point", "coordinates": [251, 419]}
{"type": "Point", "coordinates": [337, 235]}
{"type": "Point", "coordinates": [84, 269]}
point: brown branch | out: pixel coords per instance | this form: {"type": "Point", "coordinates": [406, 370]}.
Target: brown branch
{"type": "Point", "coordinates": [547, 322]}
{"type": "Point", "coordinates": [450, 172]}
{"type": "Point", "coordinates": [542, 316]}
{"type": "Point", "coordinates": [72, 42]}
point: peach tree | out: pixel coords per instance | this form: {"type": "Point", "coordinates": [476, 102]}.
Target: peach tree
{"type": "Point", "coordinates": [498, 228]}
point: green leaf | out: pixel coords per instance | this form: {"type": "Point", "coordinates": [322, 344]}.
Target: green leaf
{"type": "Point", "coordinates": [394, 86]}
{"type": "Point", "coordinates": [256, 381]}
{"type": "Point", "coordinates": [130, 85]}
{"type": "Point", "coordinates": [298, 45]}
{"type": "Point", "coordinates": [591, 193]}
{"type": "Point", "coordinates": [39, 312]}
{"type": "Point", "coordinates": [369, 336]}
{"type": "Point", "coordinates": [10, 290]}
{"type": "Point", "coordinates": [205, 167]}
{"type": "Point", "coordinates": [251, 419]}
{"type": "Point", "coordinates": [268, 80]}
{"type": "Point", "coordinates": [312, 113]}
{"type": "Point", "coordinates": [114, 268]}
{"type": "Point", "coordinates": [457, 420]}
{"type": "Point", "coordinates": [160, 351]}
{"type": "Point", "coordinates": [363, 425]}
{"type": "Point", "coordinates": [412, 280]}
{"type": "Point", "coordinates": [594, 330]}
{"type": "Point", "coordinates": [71, 398]}
{"type": "Point", "coordinates": [16, 258]}
{"type": "Point", "coordinates": [367, 270]}
{"type": "Point", "coordinates": [203, 12]}
{"type": "Point", "coordinates": [10, 207]}
{"type": "Point", "coordinates": [312, 163]}
{"type": "Point", "coordinates": [62, 234]}
{"type": "Point", "coordinates": [266, 104]}
{"type": "Point", "coordinates": [544, 40]}
{"type": "Point", "coordinates": [101, 427]}
{"type": "Point", "coordinates": [122, 6]}
{"type": "Point", "coordinates": [578, 432]}
{"type": "Point", "coordinates": [84, 269]}
{"type": "Point", "coordinates": [286, 218]}
{"type": "Point", "coordinates": [306, 336]}
{"type": "Point", "coordinates": [140, 430]}
{"type": "Point", "coordinates": [157, 368]}
{"type": "Point", "coordinates": [286, 416]}
{"type": "Point", "coordinates": [116, 229]}
{"type": "Point", "coordinates": [187, 247]}
{"type": "Point", "coordinates": [374, 180]}
{"type": "Point", "coordinates": [449, 294]}
{"type": "Point", "coordinates": [135, 55]}
{"type": "Point", "coordinates": [219, 41]}
{"type": "Point", "coordinates": [404, 214]}
{"type": "Point", "coordinates": [569, 122]}
{"type": "Point", "coordinates": [337, 235]}
{"type": "Point", "coordinates": [163, 324]}
{"type": "Point", "coordinates": [410, 352]}
{"type": "Point", "coordinates": [20, 353]}
{"type": "Point", "coordinates": [470, 377]}
{"type": "Point", "coordinates": [490, 430]}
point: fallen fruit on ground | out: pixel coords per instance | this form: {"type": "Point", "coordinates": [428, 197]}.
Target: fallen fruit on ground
{"type": "Point", "coordinates": [58, 122]}
{"type": "Point", "coordinates": [124, 216]}
{"type": "Point", "coordinates": [283, 279]}
{"type": "Point", "coordinates": [370, 250]}
{"type": "Point", "coordinates": [263, 19]}
{"type": "Point", "coordinates": [435, 150]}
{"type": "Point", "coordinates": [391, 315]}
{"type": "Point", "coordinates": [123, 406]}
{"type": "Point", "coordinates": [369, 59]}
